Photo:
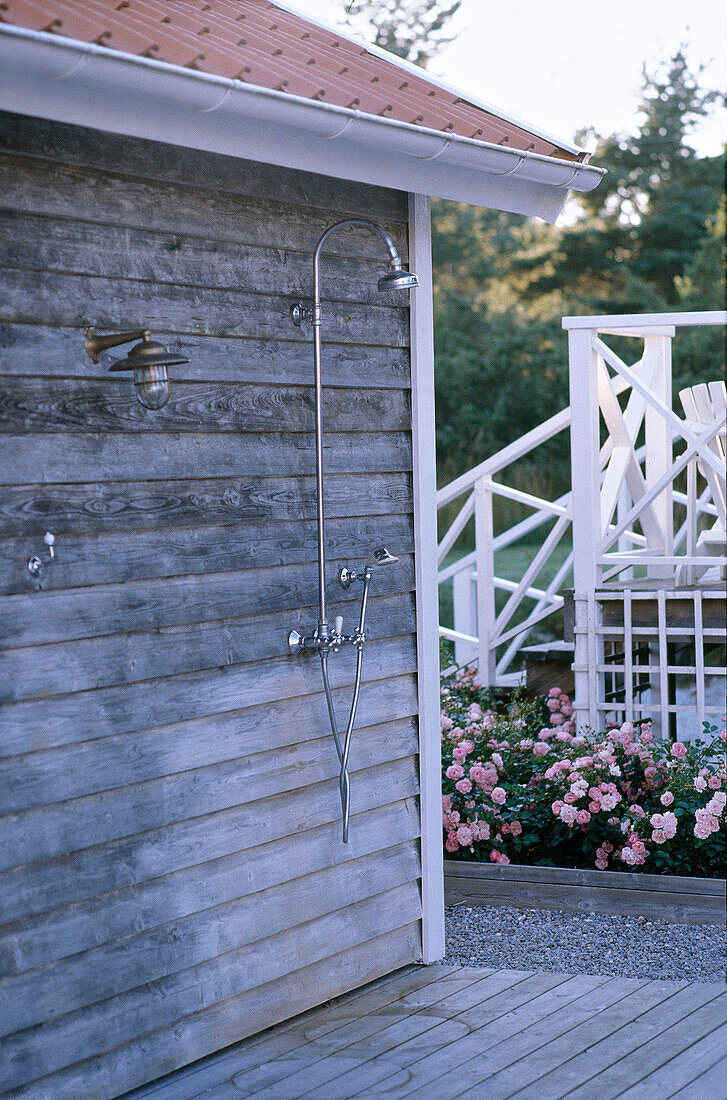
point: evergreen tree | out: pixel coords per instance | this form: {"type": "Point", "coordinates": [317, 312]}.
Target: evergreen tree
{"type": "Point", "coordinates": [412, 29]}
{"type": "Point", "coordinates": [644, 224]}
{"type": "Point", "coordinates": [649, 238]}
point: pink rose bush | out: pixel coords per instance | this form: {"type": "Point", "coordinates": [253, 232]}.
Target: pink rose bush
{"type": "Point", "coordinates": [522, 785]}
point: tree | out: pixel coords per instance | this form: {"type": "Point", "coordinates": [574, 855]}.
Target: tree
{"type": "Point", "coordinates": [645, 223]}
{"type": "Point", "coordinates": [649, 238]}
{"type": "Point", "coordinates": [412, 29]}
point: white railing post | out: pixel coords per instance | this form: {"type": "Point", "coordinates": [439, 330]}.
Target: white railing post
{"type": "Point", "coordinates": [586, 489]}
{"type": "Point", "coordinates": [658, 438]}
{"type": "Point", "coordinates": [485, 558]}
{"type": "Point", "coordinates": [464, 614]}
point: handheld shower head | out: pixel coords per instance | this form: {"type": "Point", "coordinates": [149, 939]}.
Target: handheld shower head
{"type": "Point", "coordinates": [381, 557]}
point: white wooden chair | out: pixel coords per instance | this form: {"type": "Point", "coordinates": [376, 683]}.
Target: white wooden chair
{"type": "Point", "coordinates": [702, 405]}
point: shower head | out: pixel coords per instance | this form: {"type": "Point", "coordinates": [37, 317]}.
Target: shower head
{"type": "Point", "coordinates": [381, 557]}
{"type": "Point", "coordinates": [398, 279]}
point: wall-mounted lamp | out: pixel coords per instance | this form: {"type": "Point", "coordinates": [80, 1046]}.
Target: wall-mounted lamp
{"type": "Point", "coordinates": [147, 359]}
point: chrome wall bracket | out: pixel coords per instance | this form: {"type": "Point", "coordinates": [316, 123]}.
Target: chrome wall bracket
{"type": "Point", "coordinates": [300, 313]}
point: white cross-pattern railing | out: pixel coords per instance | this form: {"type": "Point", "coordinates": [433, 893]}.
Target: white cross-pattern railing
{"type": "Point", "coordinates": [616, 494]}
{"type": "Point", "coordinates": [478, 630]}
{"type": "Point", "coordinates": [624, 500]}
{"type": "Point", "coordinates": [480, 633]}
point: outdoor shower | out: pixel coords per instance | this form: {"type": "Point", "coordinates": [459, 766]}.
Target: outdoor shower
{"type": "Point", "coordinates": [322, 640]}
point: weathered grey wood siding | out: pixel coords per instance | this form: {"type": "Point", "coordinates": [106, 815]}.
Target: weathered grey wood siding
{"type": "Point", "coordinates": [171, 873]}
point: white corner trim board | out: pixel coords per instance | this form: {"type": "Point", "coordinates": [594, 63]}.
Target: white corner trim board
{"type": "Point", "coordinates": [427, 588]}
{"type": "Point", "coordinates": [51, 77]}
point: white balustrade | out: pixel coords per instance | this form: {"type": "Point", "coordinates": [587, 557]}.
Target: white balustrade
{"type": "Point", "coordinates": [637, 539]}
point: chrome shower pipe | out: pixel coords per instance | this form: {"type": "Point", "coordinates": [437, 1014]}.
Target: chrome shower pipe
{"type": "Point", "coordinates": [316, 321]}
{"type": "Point", "coordinates": [322, 640]}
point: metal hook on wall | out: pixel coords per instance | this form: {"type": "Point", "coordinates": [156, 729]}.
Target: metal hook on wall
{"type": "Point", "coordinates": [36, 563]}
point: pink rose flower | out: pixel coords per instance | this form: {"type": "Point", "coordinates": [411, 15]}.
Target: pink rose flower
{"type": "Point", "coordinates": [446, 803]}
{"type": "Point", "coordinates": [557, 807]}
{"type": "Point", "coordinates": [499, 796]}
{"type": "Point", "coordinates": [451, 843]}
{"type": "Point", "coordinates": [458, 753]}
{"type": "Point", "coordinates": [464, 836]}
{"type": "Point", "coordinates": [540, 749]}
{"type": "Point", "coordinates": [568, 815]}
{"type": "Point", "coordinates": [714, 782]}
{"type": "Point", "coordinates": [516, 828]}
{"type": "Point", "coordinates": [594, 807]}
{"type": "Point", "coordinates": [678, 750]}
{"type": "Point", "coordinates": [602, 864]}
{"type": "Point", "coordinates": [569, 797]}
{"type": "Point", "coordinates": [463, 786]}
{"type": "Point", "coordinates": [478, 774]}
{"type": "Point", "coordinates": [554, 693]}
{"type": "Point", "coordinates": [454, 771]}
{"type": "Point", "coordinates": [667, 798]}
{"type": "Point", "coordinates": [497, 760]}
{"type": "Point", "coordinates": [583, 817]}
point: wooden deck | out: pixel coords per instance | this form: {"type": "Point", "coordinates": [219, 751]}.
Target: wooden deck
{"type": "Point", "coordinates": [446, 1031]}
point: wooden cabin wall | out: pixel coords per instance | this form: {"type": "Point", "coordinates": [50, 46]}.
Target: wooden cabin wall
{"type": "Point", "coordinates": [172, 876]}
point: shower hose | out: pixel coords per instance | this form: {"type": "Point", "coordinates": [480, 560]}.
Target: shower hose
{"type": "Point", "coordinates": [343, 747]}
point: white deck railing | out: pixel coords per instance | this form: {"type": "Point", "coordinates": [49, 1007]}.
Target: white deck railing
{"type": "Point", "coordinates": [624, 503]}
{"type": "Point", "coordinates": [675, 575]}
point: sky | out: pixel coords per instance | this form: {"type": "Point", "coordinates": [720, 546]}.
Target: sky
{"type": "Point", "coordinates": [561, 65]}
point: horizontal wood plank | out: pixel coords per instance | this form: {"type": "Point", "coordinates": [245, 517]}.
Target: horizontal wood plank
{"type": "Point", "coordinates": [45, 832]}
{"type": "Point", "coordinates": [571, 876]}
{"type": "Point", "coordinates": [37, 186]}
{"type": "Point", "coordinates": [57, 352]}
{"type": "Point", "coordinates": [70, 929]}
{"type": "Point", "coordinates": [124, 506]}
{"type": "Point", "coordinates": [64, 986]}
{"type": "Point", "coordinates": [50, 458]}
{"type": "Point", "coordinates": [30, 242]}
{"type": "Point", "coordinates": [109, 405]}
{"type": "Point", "coordinates": [71, 300]}
{"type": "Point", "coordinates": [85, 715]}
{"type": "Point", "coordinates": [151, 605]}
{"type": "Point", "coordinates": [704, 904]}
{"type": "Point", "coordinates": [46, 140]}
{"type": "Point", "coordinates": [97, 558]}
{"type": "Point", "coordinates": [32, 889]}
{"type": "Point", "coordinates": [147, 654]}
{"type": "Point", "coordinates": [54, 776]}
{"type": "Point", "coordinates": [209, 1029]}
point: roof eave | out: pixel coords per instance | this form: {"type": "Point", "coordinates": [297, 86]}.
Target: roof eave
{"type": "Point", "coordinates": [75, 82]}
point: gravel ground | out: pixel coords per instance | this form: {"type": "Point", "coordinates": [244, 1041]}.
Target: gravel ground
{"type": "Point", "coordinates": [502, 936]}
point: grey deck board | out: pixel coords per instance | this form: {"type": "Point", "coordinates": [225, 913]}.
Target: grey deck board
{"type": "Point", "coordinates": [709, 1084]}
{"type": "Point", "coordinates": [470, 1032]}
{"type": "Point", "coordinates": [363, 1049]}
{"type": "Point", "coordinates": [676, 1075]}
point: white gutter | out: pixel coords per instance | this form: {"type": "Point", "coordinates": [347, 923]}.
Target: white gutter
{"type": "Point", "coordinates": [57, 78]}
{"type": "Point", "coordinates": [422, 74]}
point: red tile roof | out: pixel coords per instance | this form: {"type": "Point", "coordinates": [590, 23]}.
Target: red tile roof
{"type": "Point", "coordinates": [263, 44]}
